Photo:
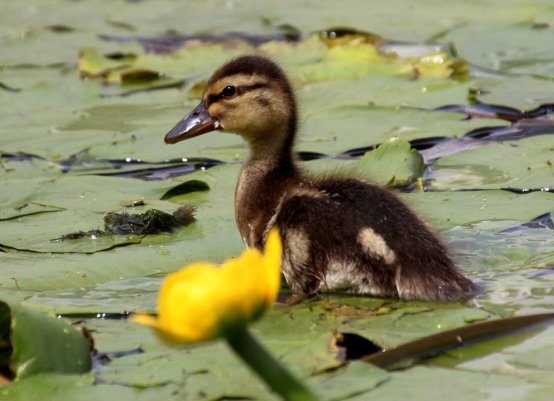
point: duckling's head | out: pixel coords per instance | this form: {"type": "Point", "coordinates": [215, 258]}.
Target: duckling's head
{"type": "Point", "coordinates": [250, 96]}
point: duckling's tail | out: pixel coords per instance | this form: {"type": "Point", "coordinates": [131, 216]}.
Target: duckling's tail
{"type": "Point", "coordinates": [446, 285]}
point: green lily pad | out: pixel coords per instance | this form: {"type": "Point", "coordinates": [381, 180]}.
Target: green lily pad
{"type": "Point", "coordinates": [392, 163]}
{"type": "Point", "coordinates": [336, 130]}
{"type": "Point", "coordinates": [92, 64]}
{"type": "Point", "coordinates": [354, 379]}
{"type": "Point", "coordinates": [413, 322]}
{"type": "Point", "coordinates": [82, 388]}
{"type": "Point", "coordinates": [458, 338]}
{"type": "Point", "coordinates": [156, 254]}
{"type": "Point", "coordinates": [508, 91]}
{"type": "Point", "coordinates": [118, 296]}
{"type": "Point", "coordinates": [476, 206]}
{"type": "Point", "coordinates": [41, 344]}
{"type": "Point", "coordinates": [422, 382]}
{"type": "Point", "coordinates": [199, 366]}
{"type": "Point", "coordinates": [519, 48]}
{"type": "Point", "coordinates": [535, 353]}
{"type": "Point", "coordinates": [27, 209]}
{"type": "Point", "coordinates": [527, 163]}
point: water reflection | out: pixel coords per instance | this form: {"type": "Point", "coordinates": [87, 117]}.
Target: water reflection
{"type": "Point", "coordinates": [515, 268]}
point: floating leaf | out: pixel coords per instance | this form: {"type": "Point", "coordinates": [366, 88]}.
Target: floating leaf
{"type": "Point", "coordinates": [392, 163]}
{"type": "Point", "coordinates": [433, 345]}
{"type": "Point", "coordinates": [527, 163]}
{"type": "Point", "coordinates": [40, 343]}
{"type": "Point", "coordinates": [354, 379]}
{"type": "Point", "coordinates": [439, 66]}
{"type": "Point", "coordinates": [81, 388]}
{"type": "Point", "coordinates": [92, 64]}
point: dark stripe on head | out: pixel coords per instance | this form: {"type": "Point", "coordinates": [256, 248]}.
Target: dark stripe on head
{"type": "Point", "coordinates": [247, 88]}
{"type": "Point", "coordinates": [240, 91]}
{"type": "Point", "coordinates": [254, 65]}
{"type": "Point", "coordinates": [263, 66]}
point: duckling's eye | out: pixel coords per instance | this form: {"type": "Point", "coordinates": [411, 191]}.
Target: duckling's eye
{"type": "Point", "coordinates": [228, 91]}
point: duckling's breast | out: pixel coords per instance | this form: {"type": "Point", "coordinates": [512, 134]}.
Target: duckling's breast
{"type": "Point", "coordinates": [341, 276]}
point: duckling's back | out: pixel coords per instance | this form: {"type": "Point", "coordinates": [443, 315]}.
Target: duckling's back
{"type": "Point", "coordinates": [350, 235]}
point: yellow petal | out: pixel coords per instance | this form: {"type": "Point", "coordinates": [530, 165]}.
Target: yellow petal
{"type": "Point", "coordinates": [203, 301]}
{"type": "Point", "coordinates": [187, 303]}
{"type": "Point", "coordinates": [272, 257]}
{"type": "Point", "coordinates": [244, 279]}
{"type": "Point", "coordinates": [144, 319]}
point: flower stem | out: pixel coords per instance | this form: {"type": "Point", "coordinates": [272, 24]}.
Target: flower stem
{"type": "Point", "coordinates": [262, 363]}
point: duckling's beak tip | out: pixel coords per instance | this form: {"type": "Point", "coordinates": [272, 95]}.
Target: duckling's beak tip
{"type": "Point", "coordinates": [195, 123]}
{"type": "Point", "coordinates": [168, 140]}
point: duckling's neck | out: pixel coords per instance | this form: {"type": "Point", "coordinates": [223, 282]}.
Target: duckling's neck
{"type": "Point", "coordinates": [266, 174]}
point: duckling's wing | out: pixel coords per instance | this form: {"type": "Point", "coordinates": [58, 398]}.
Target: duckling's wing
{"type": "Point", "coordinates": [348, 233]}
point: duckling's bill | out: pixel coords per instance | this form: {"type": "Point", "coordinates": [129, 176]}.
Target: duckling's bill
{"type": "Point", "coordinates": [195, 123]}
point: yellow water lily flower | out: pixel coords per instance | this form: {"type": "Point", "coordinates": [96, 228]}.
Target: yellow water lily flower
{"type": "Point", "coordinates": [203, 301]}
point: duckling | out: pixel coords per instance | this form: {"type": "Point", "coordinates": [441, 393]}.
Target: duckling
{"type": "Point", "coordinates": [339, 234]}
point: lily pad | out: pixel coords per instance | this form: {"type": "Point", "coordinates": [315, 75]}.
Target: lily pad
{"type": "Point", "coordinates": [162, 253]}
{"type": "Point", "coordinates": [81, 388]}
{"type": "Point", "coordinates": [354, 379]}
{"type": "Point", "coordinates": [446, 384]}
{"type": "Point", "coordinates": [527, 163]}
{"type": "Point", "coordinates": [475, 206]}
{"type": "Point", "coordinates": [41, 344]}
{"type": "Point", "coordinates": [392, 163]}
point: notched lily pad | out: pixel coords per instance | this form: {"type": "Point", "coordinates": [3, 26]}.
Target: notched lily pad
{"type": "Point", "coordinates": [352, 346]}
{"type": "Point", "coordinates": [32, 343]}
